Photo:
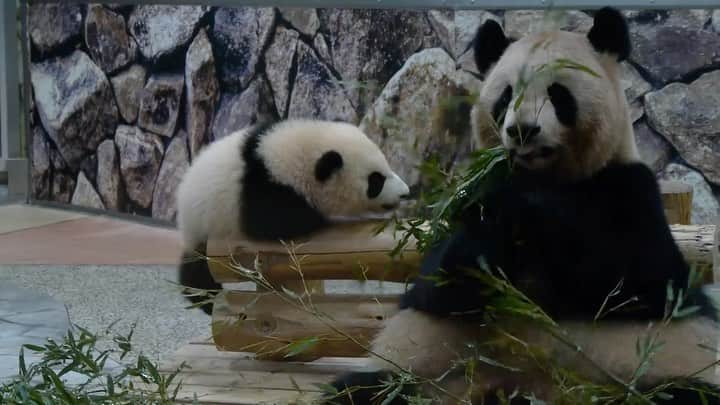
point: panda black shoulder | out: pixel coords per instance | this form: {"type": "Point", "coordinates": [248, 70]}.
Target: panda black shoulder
{"type": "Point", "coordinates": [271, 210]}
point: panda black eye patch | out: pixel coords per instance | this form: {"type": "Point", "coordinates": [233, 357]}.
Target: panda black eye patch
{"type": "Point", "coordinates": [565, 105]}
{"type": "Point", "coordinates": [502, 103]}
{"type": "Point", "coordinates": [376, 181]}
{"type": "Point", "coordinates": [329, 163]}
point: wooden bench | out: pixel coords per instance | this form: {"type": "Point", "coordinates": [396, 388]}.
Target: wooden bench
{"type": "Point", "coordinates": [281, 347]}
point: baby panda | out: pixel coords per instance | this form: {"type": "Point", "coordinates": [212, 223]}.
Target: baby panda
{"type": "Point", "coordinates": [279, 181]}
{"type": "Point", "coordinates": [578, 228]}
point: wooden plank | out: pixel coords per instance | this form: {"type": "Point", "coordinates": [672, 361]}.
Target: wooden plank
{"type": "Point", "coordinates": [352, 250]}
{"type": "Point", "coordinates": [697, 243]}
{"type": "Point", "coordinates": [210, 360]}
{"type": "Point", "coordinates": [236, 378]}
{"type": "Point", "coordinates": [278, 267]}
{"type": "Point", "coordinates": [266, 324]}
{"type": "Point", "coordinates": [677, 201]}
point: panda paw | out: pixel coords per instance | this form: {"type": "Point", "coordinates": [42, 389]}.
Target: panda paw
{"type": "Point", "coordinates": [363, 388]}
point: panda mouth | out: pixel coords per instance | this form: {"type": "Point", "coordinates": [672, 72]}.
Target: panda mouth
{"type": "Point", "coordinates": [537, 154]}
{"type": "Point", "coordinates": [389, 207]}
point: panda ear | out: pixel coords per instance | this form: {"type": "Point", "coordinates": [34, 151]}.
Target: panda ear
{"type": "Point", "coordinates": [489, 44]}
{"type": "Point", "coordinates": [610, 33]}
{"type": "Point", "coordinates": [329, 163]}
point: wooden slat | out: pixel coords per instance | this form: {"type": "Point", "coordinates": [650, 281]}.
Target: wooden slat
{"type": "Point", "coordinates": [218, 377]}
{"type": "Point", "coordinates": [677, 201]}
{"type": "Point", "coordinates": [278, 267]}
{"type": "Point", "coordinates": [269, 324]}
{"type": "Point", "coordinates": [697, 243]}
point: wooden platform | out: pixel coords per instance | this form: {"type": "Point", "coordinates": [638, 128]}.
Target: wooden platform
{"type": "Point", "coordinates": [217, 377]}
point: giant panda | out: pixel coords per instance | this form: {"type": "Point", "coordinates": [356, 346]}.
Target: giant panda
{"type": "Point", "coordinates": [278, 181]}
{"type": "Point", "coordinates": [578, 228]}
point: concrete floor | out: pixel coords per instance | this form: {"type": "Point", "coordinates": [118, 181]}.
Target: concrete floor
{"type": "Point", "coordinates": [97, 270]}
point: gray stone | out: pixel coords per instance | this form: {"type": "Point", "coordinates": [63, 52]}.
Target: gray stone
{"type": "Point", "coordinates": [160, 103]}
{"type": "Point", "coordinates": [278, 62]}
{"type": "Point", "coordinates": [304, 19]}
{"type": "Point", "coordinates": [57, 161]}
{"type": "Point", "coordinates": [716, 20]}
{"type": "Point", "coordinates": [687, 116]}
{"type": "Point", "coordinates": [322, 49]}
{"type": "Point", "coordinates": [26, 317]}
{"type": "Point", "coordinates": [140, 156]}
{"type": "Point", "coordinates": [85, 194]}
{"type": "Point", "coordinates": [162, 30]}
{"type": "Point", "coordinates": [238, 111]}
{"type": "Point", "coordinates": [694, 18]}
{"type": "Point", "coordinates": [369, 45]}
{"type": "Point", "coordinates": [411, 120]}
{"type": "Point", "coordinates": [316, 93]}
{"type": "Point", "coordinates": [519, 23]}
{"type": "Point", "coordinates": [202, 91]}
{"type": "Point", "coordinates": [239, 36]}
{"type": "Point", "coordinates": [443, 23]}
{"type": "Point", "coordinates": [456, 29]}
{"type": "Point", "coordinates": [75, 104]}
{"type": "Point", "coordinates": [636, 110]}
{"type": "Point", "coordinates": [107, 39]}
{"type": "Point", "coordinates": [174, 165]}
{"type": "Point", "coordinates": [466, 62]}
{"type": "Point", "coordinates": [633, 84]}
{"type": "Point", "coordinates": [670, 52]}
{"type": "Point", "coordinates": [705, 207]}
{"type": "Point", "coordinates": [62, 187]}
{"type": "Point", "coordinates": [655, 151]}
{"type": "Point", "coordinates": [53, 25]}
{"type": "Point", "coordinates": [128, 86]}
{"type": "Point", "coordinates": [108, 176]}
{"type": "Point", "coordinates": [40, 165]}
{"type": "Point", "coordinates": [89, 166]}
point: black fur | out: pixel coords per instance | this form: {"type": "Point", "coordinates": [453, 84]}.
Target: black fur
{"type": "Point", "coordinates": [551, 238]}
{"type": "Point", "coordinates": [566, 108]}
{"type": "Point", "coordinates": [376, 182]}
{"type": "Point", "coordinates": [489, 44]}
{"type": "Point", "coordinates": [501, 104]}
{"type": "Point", "coordinates": [329, 163]}
{"type": "Point", "coordinates": [195, 273]}
{"type": "Point", "coordinates": [363, 387]}
{"type": "Point", "coordinates": [610, 33]}
{"type": "Point", "coordinates": [689, 392]}
{"type": "Point", "coordinates": [270, 210]}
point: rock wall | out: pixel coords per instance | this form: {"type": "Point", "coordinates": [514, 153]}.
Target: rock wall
{"type": "Point", "coordinates": [125, 96]}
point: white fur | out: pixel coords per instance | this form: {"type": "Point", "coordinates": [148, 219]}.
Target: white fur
{"type": "Point", "coordinates": [209, 195]}
{"type": "Point", "coordinates": [429, 346]}
{"type": "Point", "coordinates": [603, 132]}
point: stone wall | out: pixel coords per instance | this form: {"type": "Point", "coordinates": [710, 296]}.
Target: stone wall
{"type": "Point", "coordinates": [125, 96]}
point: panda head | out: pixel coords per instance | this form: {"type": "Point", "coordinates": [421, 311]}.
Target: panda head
{"type": "Point", "coordinates": [553, 117]}
{"type": "Point", "coordinates": [334, 165]}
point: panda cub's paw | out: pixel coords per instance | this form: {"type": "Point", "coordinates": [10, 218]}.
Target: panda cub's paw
{"type": "Point", "coordinates": [364, 388]}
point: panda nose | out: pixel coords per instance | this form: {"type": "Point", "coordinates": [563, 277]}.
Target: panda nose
{"type": "Point", "coordinates": [523, 132]}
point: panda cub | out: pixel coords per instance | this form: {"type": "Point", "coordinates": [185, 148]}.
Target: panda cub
{"type": "Point", "coordinates": [579, 228]}
{"type": "Point", "coordinates": [278, 181]}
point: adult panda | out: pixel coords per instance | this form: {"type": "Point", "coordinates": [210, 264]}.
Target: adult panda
{"type": "Point", "coordinates": [278, 181]}
{"type": "Point", "coordinates": [579, 229]}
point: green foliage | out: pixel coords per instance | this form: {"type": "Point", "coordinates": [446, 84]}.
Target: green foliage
{"type": "Point", "coordinates": [447, 195]}
{"type": "Point", "coordinates": [45, 382]}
